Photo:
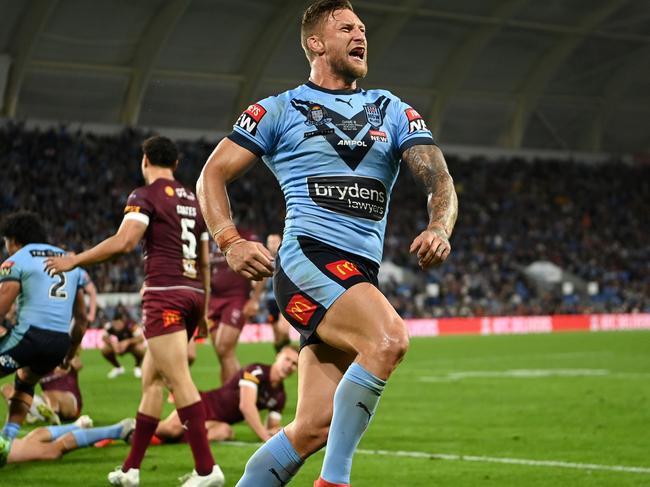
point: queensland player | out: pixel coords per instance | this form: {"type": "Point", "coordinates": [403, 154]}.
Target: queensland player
{"type": "Point", "coordinates": [335, 150]}
{"type": "Point", "coordinates": [122, 335]}
{"type": "Point", "coordinates": [42, 338]}
{"type": "Point", "coordinates": [231, 304]}
{"type": "Point", "coordinates": [61, 399]}
{"type": "Point", "coordinates": [278, 322]}
{"type": "Point", "coordinates": [166, 216]}
{"type": "Point", "coordinates": [254, 388]}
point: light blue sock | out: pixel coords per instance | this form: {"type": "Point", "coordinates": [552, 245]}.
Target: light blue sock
{"type": "Point", "coordinates": [273, 464]}
{"type": "Point", "coordinates": [85, 437]}
{"type": "Point", "coordinates": [355, 402]}
{"type": "Point", "coordinates": [58, 431]}
{"type": "Point", "coordinates": [10, 430]}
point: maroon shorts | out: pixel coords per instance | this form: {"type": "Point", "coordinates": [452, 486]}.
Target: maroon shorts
{"type": "Point", "coordinates": [63, 383]}
{"type": "Point", "coordinates": [228, 311]}
{"type": "Point", "coordinates": [169, 311]}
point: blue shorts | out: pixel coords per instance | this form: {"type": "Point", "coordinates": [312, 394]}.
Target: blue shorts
{"type": "Point", "coordinates": [310, 276]}
{"type": "Point", "coordinates": [28, 346]}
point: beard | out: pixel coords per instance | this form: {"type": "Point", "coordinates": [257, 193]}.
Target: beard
{"type": "Point", "coordinates": [348, 69]}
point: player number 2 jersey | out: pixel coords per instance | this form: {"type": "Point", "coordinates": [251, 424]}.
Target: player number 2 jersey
{"type": "Point", "coordinates": [44, 301]}
{"type": "Point", "coordinates": [336, 155]}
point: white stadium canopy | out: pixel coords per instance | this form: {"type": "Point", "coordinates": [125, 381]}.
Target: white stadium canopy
{"type": "Point", "coordinates": [571, 75]}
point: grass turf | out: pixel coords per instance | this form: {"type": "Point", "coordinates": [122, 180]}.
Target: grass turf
{"type": "Point", "coordinates": [572, 397]}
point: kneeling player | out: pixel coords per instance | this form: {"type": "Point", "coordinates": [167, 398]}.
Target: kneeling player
{"type": "Point", "coordinates": [51, 442]}
{"type": "Point", "coordinates": [255, 387]}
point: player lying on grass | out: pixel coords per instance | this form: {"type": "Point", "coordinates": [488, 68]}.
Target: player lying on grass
{"type": "Point", "coordinates": [253, 388]}
{"type": "Point", "coordinates": [61, 399]}
{"type": "Point", "coordinates": [51, 442]}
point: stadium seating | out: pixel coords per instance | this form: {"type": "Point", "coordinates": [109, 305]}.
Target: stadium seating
{"type": "Point", "coordinates": [587, 220]}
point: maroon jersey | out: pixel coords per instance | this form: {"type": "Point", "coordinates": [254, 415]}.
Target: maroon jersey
{"type": "Point", "coordinates": [224, 281]}
{"type": "Point", "coordinates": [175, 227]}
{"type": "Point", "coordinates": [58, 380]}
{"type": "Point", "coordinates": [223, 404]}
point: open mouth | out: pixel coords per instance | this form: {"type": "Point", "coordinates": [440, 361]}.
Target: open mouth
{"type": "Point", "coordinates": [358, 53]}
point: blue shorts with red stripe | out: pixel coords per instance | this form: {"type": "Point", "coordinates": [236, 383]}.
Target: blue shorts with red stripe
{"type": "Point", "coordinates": [310, 276]}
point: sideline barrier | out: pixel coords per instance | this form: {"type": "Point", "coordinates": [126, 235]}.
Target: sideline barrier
{"type": "Point", "coordinates": [496, 325]}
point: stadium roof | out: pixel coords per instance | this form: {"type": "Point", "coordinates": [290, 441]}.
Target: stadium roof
{"type": "Point", "coordinates": [553, 74]}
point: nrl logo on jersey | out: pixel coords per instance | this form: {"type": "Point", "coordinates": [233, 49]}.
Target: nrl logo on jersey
{"type": "Point", "coordinates": [373, 114]}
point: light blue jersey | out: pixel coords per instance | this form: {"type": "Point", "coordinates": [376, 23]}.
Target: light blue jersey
{"type": "Point", "coordinates": [44, 302]}
{"type": "Point", "coordinates": [336, 155]}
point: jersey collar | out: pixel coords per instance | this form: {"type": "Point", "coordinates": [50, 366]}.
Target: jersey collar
{"type": "Point", "coordinates": [314, 86]}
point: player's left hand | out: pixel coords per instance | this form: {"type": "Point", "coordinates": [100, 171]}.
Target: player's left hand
{"type": "Point", "coordinates": [431, 247]}
{"type": "Point", "coordinates": [55, 265]}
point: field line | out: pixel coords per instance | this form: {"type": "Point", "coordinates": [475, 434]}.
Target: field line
{"type": "Point", "coordinates": [481, 459]}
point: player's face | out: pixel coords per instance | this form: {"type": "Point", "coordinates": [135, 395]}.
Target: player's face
{"type": "Point", "coordinates": [10, 245]}
{"type": "Point", "coordinates": [287, 361]}
{"type": "Point", "coordinates": [118, 325]}
{"type": "Point", "coordinates": [346, 47]}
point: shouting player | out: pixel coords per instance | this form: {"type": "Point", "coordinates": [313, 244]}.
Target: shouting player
{"type": "Point", "coordinates": [254, 388]}
{"type": "Point", "coordinates": [335, 150]}
{"type": "Point", "coordinates": [166, 215]}
{"type": "Point", "coordinates": [40, 339]}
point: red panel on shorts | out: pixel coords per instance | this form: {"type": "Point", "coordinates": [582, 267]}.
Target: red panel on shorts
{"type": "Point", "coordinates": [171, 317]}
{"type": "Point", "coordinates": [300, 308]}
{"type": "Point", "coordinates": [343, 269]}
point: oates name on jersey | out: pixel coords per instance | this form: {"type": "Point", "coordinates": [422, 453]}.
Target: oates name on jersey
{"type": "Point", "coordinates": [350, 195]}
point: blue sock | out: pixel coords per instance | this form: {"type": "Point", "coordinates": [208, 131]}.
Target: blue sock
{"type": "Point", "coordinates": [10, 430]}
{"type": "Point", "coordinates": [272, 465]}
{"type": "Point", "coordinates": [58, 431]}
{"type": "Point", "coordinates": [85, 437]}
{"type": "Point", "coordinates": [355, 402]}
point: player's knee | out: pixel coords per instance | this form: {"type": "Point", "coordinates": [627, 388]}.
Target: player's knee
{"type": "Point", "coordinates": [23, 390]}
{"type": "Point", "coordinates": [224, 349]}
{"type": "Point", "coordinates": [392, 346]}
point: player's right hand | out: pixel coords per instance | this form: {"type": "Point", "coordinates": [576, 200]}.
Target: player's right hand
{"type": "Point", "coordinates": [251, 260]}
{"type": "Point", "coordinates": [55, 265]}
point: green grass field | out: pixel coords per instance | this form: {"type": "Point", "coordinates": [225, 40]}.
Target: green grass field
{"type": "Point", "coordinates": [574, 398]}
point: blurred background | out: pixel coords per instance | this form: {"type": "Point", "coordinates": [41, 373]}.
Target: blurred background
{"type": "Point", "coordinates": [541, 108]}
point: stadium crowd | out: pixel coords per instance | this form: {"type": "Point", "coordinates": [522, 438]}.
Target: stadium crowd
{"type": "Point", "coordinates": [590, 220]}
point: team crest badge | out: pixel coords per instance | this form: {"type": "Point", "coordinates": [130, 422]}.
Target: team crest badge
{"type": "Point", "coordinates": [317, 115]}
{"type": "Point", "coordinates": [373, 114]}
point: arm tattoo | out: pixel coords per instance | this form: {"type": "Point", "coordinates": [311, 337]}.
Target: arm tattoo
{"type": "Point", "coordinates": [429, 168]}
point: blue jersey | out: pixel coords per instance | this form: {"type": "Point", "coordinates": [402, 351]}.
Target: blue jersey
{"type": "Point", "coordinates": [336, 155]}
{"type": "Point", "coordinates": [44, 302]}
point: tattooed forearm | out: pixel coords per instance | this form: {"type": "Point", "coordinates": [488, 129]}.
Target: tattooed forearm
{"type": "Point", "coordinates": [429, 167]}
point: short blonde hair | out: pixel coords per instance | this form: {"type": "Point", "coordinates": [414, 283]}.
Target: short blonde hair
{"type": "Point", "coordinates": [313, 17]}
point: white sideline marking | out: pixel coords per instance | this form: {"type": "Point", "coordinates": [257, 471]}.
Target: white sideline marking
{"type": "Point", "coordinates": [516, 374]}
{"type": "Point", "coordinates": [474, 458]}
